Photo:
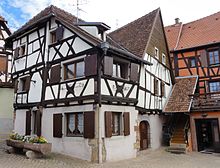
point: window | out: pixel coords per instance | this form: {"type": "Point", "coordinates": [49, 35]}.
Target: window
{"type": "Point", "coordinates": [214, 86]}
{"type": "Point", "coordinates": [74, 70]}
{"type": "Point", "coordinates": [162, 89]}
{"type": "Point", "coordinates": [213, 57]}
{"type": "Point", "coordinates": [24, 84]}
{"type": "Point", "coordinates": [156, 91]}
{"type": "Point", "coordinates": [75, 124]}
{"type": "Point", "coordinates": [156, 52]}
{"type": "Point", "coordinates": [163, 58]}
{"type": "Point", "coordinates": [22, 50]}
{"type": "Point", "coordinates": [53, 38]}
{"type": "Point", "coordinates": [120, 70]}
{"type": "Point", "coordinates": [192, 62]}
{"type": "Point", "coordinates": [116, 123]}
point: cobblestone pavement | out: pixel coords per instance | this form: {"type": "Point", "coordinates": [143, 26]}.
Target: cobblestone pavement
{"type": "Point", "coordinates": [148, 159]}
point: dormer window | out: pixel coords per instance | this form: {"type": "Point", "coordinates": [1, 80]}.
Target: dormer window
{"type": "Point", "coordinates": [22, 50]}
{"type": "Point", "coordinates": [163, 58]}
{"type": "Point", "coordinates": [120, 69]}
{"type": "Point", "coordinates": [56, 35]}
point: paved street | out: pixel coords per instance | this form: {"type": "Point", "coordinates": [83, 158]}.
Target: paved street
{"type": "Point", "coordinates": [148, 159]}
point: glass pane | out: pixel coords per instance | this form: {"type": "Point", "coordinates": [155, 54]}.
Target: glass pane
{"type": "Point", "coordinates": [211, 58]}
{"type": "Point", "coordinates": [114, 70]}
{"type": "Point", "coordinates": [80, 69]}
{"type": "Point", "coordinates": [216, 57]}
{"type": "Point", "coordinates": [116, 123]}
{"type": "Point", "coordinates": [69, 71]}
{"type": "Point", "coordinates": [80, 123]}
{"type": "Point", "coordinates": [119, 70]}
{"type": "Point", "coordinates": [71, 122]}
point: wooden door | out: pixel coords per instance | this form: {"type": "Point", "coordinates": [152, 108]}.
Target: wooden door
{"type": "Point", "coordinates": [143, 135]}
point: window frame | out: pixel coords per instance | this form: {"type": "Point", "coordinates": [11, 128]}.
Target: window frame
{"type": "Point", "coordinates": [76, 122]}
{"type": "Point", "coordinates": [213, 51]}
{"type": "Point", "coordinates": [75, 62]}
{"type": "Point", "coordinates": [53, 37]}
{"type": "Point", "coordinates": [163, 89]}
{"type": "Point", "coordinates": [156, 52]}
{"type": "Point", "coordinates": [164, 59]}
{"type": "Point", "coordinates": [190, 59]}
{"type": "Point", "coordinates": [210, 82]}
{"type": "Point", "coordinates": [119, 116]}
{"type": "Point", "coordinates": [156, 87]}
{"type": "Point", "coordinates": [22, 50]}
{"type": "Point", "coordinates": [124, 68]}
{"type": "Point", "coordinates": [22, 84]}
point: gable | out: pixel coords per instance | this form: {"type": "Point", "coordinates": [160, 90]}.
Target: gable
{"type": "Point", "coordinates": [158, 40]}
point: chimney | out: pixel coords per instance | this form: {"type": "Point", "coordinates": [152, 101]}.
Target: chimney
{"type": "Point", "coordinates": [177, 20]}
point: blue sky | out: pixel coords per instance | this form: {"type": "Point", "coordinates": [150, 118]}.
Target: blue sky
{"type": "Point", "coordinates": [115, 13]}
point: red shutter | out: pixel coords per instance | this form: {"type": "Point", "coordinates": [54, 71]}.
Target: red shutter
{"type": "Point", "coordinates": [91, 65]}
{"type": "Point", "coordinates": [59, 33]}
{"type": "Point", "coordinates": [203, 57]}
{"type": "Point", "coordinates": [108, 124]}
{"type": "Point", "coordinates": [134, 72]}
{"type": "Point", "coordinates": [28, 123]}
{"type": "Point", "coordinates": [38, 124]}
{"type": "Point", "coordinates": [126, 123]}
{"type": "Point", "coordinates": [27, 83]}
{"type": "Point", "coordinates": [55, 74]}
{"type": "Point", "coordinates": [108, 65]}
{"type": "Point", "coordinates": [57, 125]}
{"type": "Point", "coordinates": [89, 124]}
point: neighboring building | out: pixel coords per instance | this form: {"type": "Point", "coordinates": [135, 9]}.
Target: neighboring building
{"type": "Point", "coordinates": [145, 37]}
{"type": "Point", "coordinates": [195, 54]}
{"type": "Point", "coordinates": [89, 97]}
{"type": "Point", "coordinates": [6, 87]}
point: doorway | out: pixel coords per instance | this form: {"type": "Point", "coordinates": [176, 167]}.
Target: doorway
{"type": "Point", "coordinates": [144, 135]}
{"type": "Point", "coordinates": [207, 132]}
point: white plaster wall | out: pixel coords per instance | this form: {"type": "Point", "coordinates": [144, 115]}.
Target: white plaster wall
{"type": "Point", "coordinates": [35, 88]}
{"type": "Point", "coordinates": [119, 147]}
{"type": "Point", "coordinates": [73, 146]}
{"type": "Point", "coordinates": [156, 123]}
{"type": "Point", "coordinates": [20, 121]}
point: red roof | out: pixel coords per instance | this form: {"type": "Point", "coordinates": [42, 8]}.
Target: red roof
{"type": "Point", "coordinates": [179, 100]}
{"type": "Point", "coordinates": [197, 33]}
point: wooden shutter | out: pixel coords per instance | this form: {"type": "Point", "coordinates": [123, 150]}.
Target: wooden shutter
{"type": "Point", "coordinates": [57, 125]}
{"type": "Point", "coordinates": [89, 124]}
{"type": "Point", "coordinates": [108, 65]}
{"type": "Point", "coordinates": [126, 123]}
{"type": "Point", "coordinates": [91, 65]}
{"type": "Point", "coordinates": [38, 124]}
{"type": "Point", "coordinates": [28, 123]}
{"type": "Point", "coordinates": [16, 52]}
{"type": "Point", "coordinates": [15, 85]}
{"type": "Point", "coordinates": [59, 33]}
{"type": "Point", "coordinates": [134, 72]}
{"type": "Point", "coordinates": [55, 74]}
{"type": "Point", "coordinates": [27, 83]}
{"type": "Point", "coordinates": [108, 124]}
{"type": "Point", "coordinates": [203, 57]}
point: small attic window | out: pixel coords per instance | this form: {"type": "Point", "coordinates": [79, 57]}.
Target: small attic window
{"type": "Point", "coordinates": [53, 38]}
{"type": "Point", "coordinates": [156, 52]}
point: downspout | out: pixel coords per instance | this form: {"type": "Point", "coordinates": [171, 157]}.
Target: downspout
{"type": "Point", "coordinates": [104, 47]}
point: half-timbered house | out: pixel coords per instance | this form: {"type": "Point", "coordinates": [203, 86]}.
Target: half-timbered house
{"type": "Point", "coordinates": [86, 92]}
{"type": "Point", "coordinates": [6, 87]}
{"type": "Point", "coordinates": [145, 37]}
{"type": "Point", "coordinates": [194, 49]}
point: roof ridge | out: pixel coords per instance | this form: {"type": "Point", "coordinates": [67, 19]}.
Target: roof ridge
{"type": "Point", "coordinates": [135, 20]}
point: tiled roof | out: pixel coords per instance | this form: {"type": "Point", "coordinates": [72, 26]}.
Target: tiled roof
{"type": "Point", "coordinates": [197, 33]}
{"type": "Point", "coordinates": [46, 12]}
{"type": "Point", "coordinates": [179, 100]}
{"type": "Point", "coordinates": [137, 31]}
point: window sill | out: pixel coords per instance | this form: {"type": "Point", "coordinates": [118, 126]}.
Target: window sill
{"type": "Point", "coordinates": [21, 92]}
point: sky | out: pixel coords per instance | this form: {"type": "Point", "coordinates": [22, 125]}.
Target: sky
{"type": "Point", "coordinates": [114, 13]}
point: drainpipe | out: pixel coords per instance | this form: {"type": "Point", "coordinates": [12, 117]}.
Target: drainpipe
{"type": "Point", "coordinates": [104, 46]}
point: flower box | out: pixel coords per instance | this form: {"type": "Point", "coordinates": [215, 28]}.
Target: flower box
{"type": "Point", "coordinates": [44, 148]}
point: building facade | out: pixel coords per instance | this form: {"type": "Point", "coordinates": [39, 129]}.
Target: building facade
{"type": "Point", "coordinates": [194, 49]}
{"type": "Point", "coordinates": [6, 87]}
{"type": "Point", "coordinates": [91, 98]}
